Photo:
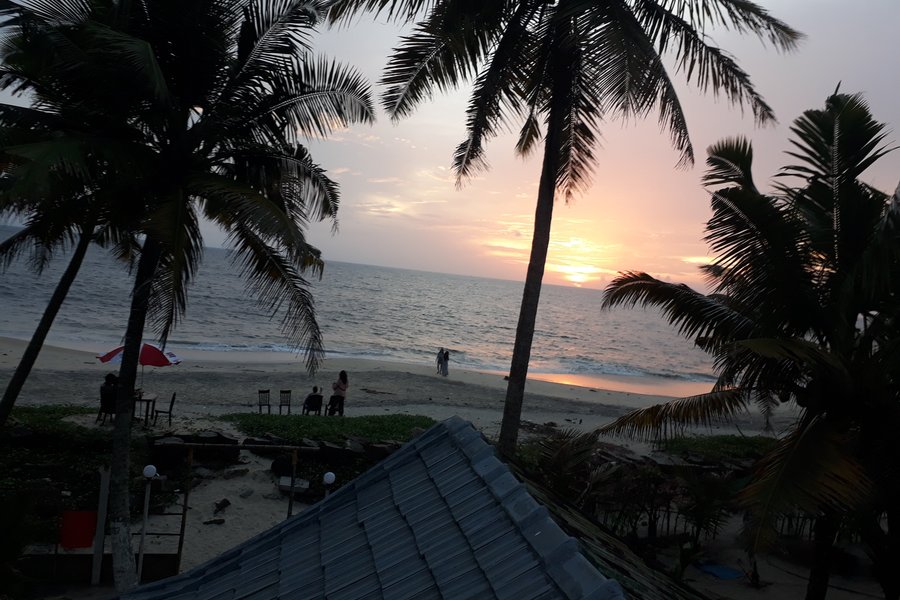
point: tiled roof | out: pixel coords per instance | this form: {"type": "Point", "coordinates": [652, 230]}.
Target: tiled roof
{"type": "Point", "coordinates": [441, 517]}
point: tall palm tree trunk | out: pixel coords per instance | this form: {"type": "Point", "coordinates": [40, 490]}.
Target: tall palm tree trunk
{"type": "Point", "coordinates": [124, 573]}
{"type": "Point", "coordinates": [543, 217]}
{"type": "Point", "coordinates": [885, 555]}
{"type": "Point", "coordinates": [40, 334]}
{"type": "Point", "coordinates": [824, 532]}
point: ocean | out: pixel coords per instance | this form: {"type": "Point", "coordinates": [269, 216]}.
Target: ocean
{"type": "Point", "coordinates": [375, 313]}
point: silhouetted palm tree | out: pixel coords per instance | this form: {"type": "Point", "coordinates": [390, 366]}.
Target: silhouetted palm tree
{"type": "Point", "coordinates": [561, 69]}
{"type": "Point", "coordinates": [54, 152]}
{"type": "Point", "coordinates": [804, 310]}
{"type": "Point", "coordinates": [212, 102]}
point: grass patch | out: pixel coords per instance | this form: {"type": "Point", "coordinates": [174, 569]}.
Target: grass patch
{"type": "Point", "coordinates": [377, 428]}
{"type": "Point", "coordinates": [719, 448]}
{"type": "Point", "coordinates": [50, 418]}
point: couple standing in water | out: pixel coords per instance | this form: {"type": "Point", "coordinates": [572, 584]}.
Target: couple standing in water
{"type": "Point", "coordinates": [443, 362]}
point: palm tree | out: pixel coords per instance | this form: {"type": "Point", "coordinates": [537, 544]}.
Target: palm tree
{"type": "Point", "coordinates": [561, 69]}
{"type": "Point", "coordinates": [212, 102]}
{"type": "Point", "coordinates": [62, 207]}
{"type": "Point", "coordinates": [803, 309]}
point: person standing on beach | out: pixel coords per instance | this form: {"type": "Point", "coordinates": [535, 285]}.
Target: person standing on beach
{"type": "Point", "coordinates": [339, 394]}
{"type": "Point", "coordinates": [445, 364]}
{"type": "Point", "coordinates": [440, 361]}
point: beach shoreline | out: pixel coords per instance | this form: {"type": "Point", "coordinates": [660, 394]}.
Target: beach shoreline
{"type": "Point", "coordinates": [209, 384]}
{"type": "Point", "coordinates": [637, 384]}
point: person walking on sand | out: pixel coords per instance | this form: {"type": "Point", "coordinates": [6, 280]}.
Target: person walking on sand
{"type": "Point", "coordinates": [445, 364]}
{"type": "Point", "coordinates": [339, 394]}
{"type": "Point", "coordinates": [440, 361]}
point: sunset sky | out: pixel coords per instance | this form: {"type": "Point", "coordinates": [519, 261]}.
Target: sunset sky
{"type": "Point", "coordinates": [400, 206]}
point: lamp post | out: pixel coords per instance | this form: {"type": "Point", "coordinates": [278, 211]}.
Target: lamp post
{"type": "Point", "coordinates": [328, 480]}
{"type": "Point", "coordinates": [149, 474]}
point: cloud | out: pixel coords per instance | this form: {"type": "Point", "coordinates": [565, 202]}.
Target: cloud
{"type": "Point", "coordinates": [385, 180]}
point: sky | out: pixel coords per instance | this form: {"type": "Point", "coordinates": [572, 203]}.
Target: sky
{"type": "Point", "coordinates": [400, 206]}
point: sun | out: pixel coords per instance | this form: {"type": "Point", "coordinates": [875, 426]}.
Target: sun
{"type": "Point", "coordinates": [577, 275]}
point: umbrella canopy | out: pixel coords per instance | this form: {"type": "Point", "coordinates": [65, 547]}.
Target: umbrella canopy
{"type": "Point", "coordinates": [150, 356]}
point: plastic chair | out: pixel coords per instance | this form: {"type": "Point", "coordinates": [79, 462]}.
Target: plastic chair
{"type": "Point", "coordinates": [264, 401]}
{"type": "Point", "coordinates": [284, 399]}
{"type": "Point", "coordinates": [108, 395]}
{"type": "Point", "coordinates": [159, 411]}
{"type": "Point", "coordinates": [335, 406]}
{"type": "Point", "coordinates": [313, 404]}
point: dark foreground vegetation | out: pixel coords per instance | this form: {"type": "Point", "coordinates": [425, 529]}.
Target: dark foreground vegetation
{"type": "Point", "coordinates": [49, 465]}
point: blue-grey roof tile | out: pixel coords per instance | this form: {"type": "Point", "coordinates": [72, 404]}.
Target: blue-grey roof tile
{"type": "Point", "coordinates": [420, 586]}
{"type": "Point", "coordinates": [440, 518]}
{"type": "Point", "coordinates": [464, 588]}
{"type": "Point", "coordinates": [355, 589]}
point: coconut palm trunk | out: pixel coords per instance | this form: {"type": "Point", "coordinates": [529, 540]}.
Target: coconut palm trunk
{"type": "Point", "coordinates": [40, 334]}
{"type": "Point", "coordinates": [540, 243]}
{"type": "Point", "coordinates": [124, 573]}
{"type": "Point", "coordinates": [824, 532]}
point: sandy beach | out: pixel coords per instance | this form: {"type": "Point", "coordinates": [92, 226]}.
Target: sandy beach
{"type": "Point", "coordinates": [209, 384]}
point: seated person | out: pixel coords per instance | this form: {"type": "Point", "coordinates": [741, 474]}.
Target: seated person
{"type": "Point", "coordinates": [108, 392]}
{"type": "Point", "coordinates": [313, 402]}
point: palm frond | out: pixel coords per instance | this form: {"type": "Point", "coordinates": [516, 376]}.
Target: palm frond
{"type": "Point", "coordinates": [16, 244]}
{"type": "Point", "coordinates": [742, 16]}
{"type": "Point", "coordinates": [234, 204]}
{"type": "Point", "coordinates": [136, 55]}
{"type": "Point", "coordinates": [846, 124]}
{"type": "Point", "coordinates": [177, 229]}
{"type": "Point", "coordinates": [574, 99]}
{"type": "Point", "coordinates": [278, 286]}
{"type": "Point", "coordinates": [529, 135]}
{"type": "Point", "coordinates": [58, 12]}
{"type": "Point", "coordinates": [761, 246]}
{"type": "Point", "coordinates": [313, 98]}
{"type": "Point", "coordinates": [670, 418]}
{"type": "Point", "coordinates": [730, 162]}
{"type": "Point", "coordinates": [342, 11]}
{"type": "Point", "coordinates": [796, 350]}
{"type": "Point", "coordinates": [276, 30]}
{"type": "Point", "coordinates": [708, 67]}
{"type": "Point", "coordinates": [494, 93]}
{"type": "Point", "coordinates": [695, 315]}
{"type": "Point", "coordinates": [811, 469]}
{"type": "Point", "coordinates": [441, 52]}
{"type": "Point", "coordinates": [631, 77]}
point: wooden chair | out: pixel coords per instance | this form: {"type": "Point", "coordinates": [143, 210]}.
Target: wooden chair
{"type": "Point", "coordinates": [264, 401]}
{"type": "Point", "coordinates": [159, 411]}
{"type": "Point", "coordinates": [284, 399]}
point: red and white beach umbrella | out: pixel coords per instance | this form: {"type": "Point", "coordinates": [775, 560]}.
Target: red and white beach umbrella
{"type": "Point", "coordinates": [151, 356]}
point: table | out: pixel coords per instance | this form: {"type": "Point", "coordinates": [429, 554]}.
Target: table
{"type": "Point", "coordinates": [149, 401]}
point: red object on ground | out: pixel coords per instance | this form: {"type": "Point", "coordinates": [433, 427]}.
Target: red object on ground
{"type": "Point", "coordinates": [151, 356]}
{"type": "Point", "coordinates": [77, 528]}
